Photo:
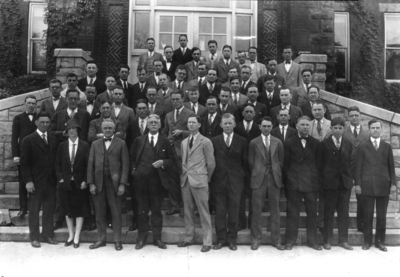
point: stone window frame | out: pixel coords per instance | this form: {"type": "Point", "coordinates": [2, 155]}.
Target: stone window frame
{"type": "Point", "coordinates": [345, 48]}
{"type": "Point", "coordinates": [386, 15]}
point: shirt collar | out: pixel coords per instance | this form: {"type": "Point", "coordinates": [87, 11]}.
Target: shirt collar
{"type": "Point", "coordinates": [145, 119]}
{"type": "Point", "coordinates": [378, 140]}
{"type": "Point", "coordinates": [118, 106]}
{"type": "Point", "coordinates": [352, 128]}
{"type": "Point", "coordinates": [180, 110]}
{"type": "Point", "coordinates": [40, 133]}
{"type": "Point", "coordinates": [155, 136]}
{"type": "Point", "coordinates": [215, 55]}
{"type": "Point", "coordinates": [265, 137]}
{"type": "Point", "coordinates": [225, 135]}
{"type": "Point", "coordinates": [245, 122]}
{"type": "Point", "coordinates": [69, 111]}
{"type": "Point", "coordinates": [195, 136]}
{"type": "Point", "coordinates": [334, 139]}
{"type": "Point", "coordinates": [88, 79]}
{"type": "Point", "coordinates": [285, 127]}
{"type": "Point", "coordinates": [56, 100]}
{"type": "Point", "coordinates": [287, 105]}
{"type": "Point", "coordinates": [70, 142]}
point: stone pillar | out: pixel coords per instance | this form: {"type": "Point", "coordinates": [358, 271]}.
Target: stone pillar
{"type": "Point", "coordinates": [317, 63]}
{"type": "Point", "coordinates": [71, 61]}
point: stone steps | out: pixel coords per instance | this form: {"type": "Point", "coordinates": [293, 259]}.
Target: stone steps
{"type": "Point", "coordinates": [172, 235]}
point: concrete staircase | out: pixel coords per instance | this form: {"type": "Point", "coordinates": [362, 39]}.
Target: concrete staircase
{"type": "Point", "coordinates": [174, 227]}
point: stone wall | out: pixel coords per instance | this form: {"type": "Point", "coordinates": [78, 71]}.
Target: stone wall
{"type": "Point", "coordinates": [70, 61]}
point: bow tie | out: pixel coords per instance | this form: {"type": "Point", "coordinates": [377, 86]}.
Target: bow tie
{"type": "Point", "coordinates": [107, 139]}
{"type": "Point", "coordinates": [287, 62]}
{"type": "Point", "coordinates": [56, 99]}
{"type": "Point", "coordinates": [90, 102]}
{"type": "Point", "coordinates": [30, 114]}
{"type": "Point", "coordinates": [304, 138]}
{"type": "Point", "coordinates": [168, 61]}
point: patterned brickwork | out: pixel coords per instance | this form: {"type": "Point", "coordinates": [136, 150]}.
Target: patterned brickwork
{"type": "Point", "coordinates": [115, 41]}
{"type": "Point", "coordinates": [269, 35]}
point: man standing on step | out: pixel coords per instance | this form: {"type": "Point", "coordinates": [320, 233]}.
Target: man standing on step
{"type": "Point", "coordinates": [23, 125]}
{"type": "Point", "coordinates": [289, 69]}
{"type": "Point", "coordinates": [375, 179]}
{"type": "Point", "coordinates": [38, 156]}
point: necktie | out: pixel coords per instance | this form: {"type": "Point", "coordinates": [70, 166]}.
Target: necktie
{"type": "Point", "coordinates": [227, 63]}
{"type": "Point", "coordinates": [191, 142]}
{"type": "Point", "coordinates": [209, 120]}
{"type": "Point", "coordinates": [269, 95]}
{"type": "Point", "coordinates": [179, 85]}
{"type": "Point", "coordinates": [193, 108]}
{"type": "Point", "coordinates": [337, 142]}
{"type": "Point", "coordinates": [152, 141]}
{"type": "Point", "coordinates": [184, 51]}
{"type": "Point", "coordinates": [283, 132]}
{"type": "Point", "coordinates": [212, 57]}
{"type": "Point", "coordinates": [319, 129]}
{"type": "Point", "coordinates": [303, 141]}
{"type": "Point", "coordinates": [72, 157]}
{"type": "Point", "coordinates": [223, 109]}
{"type": "Point", "coordinates": [72, 114]}
{"type": "Point", "coordinates": [142, 127]}
{"type": "Point", "coordinates": [177, 114]}
{"type": "Point", "coordinates": [228, 140]}
{"type": "Point", "coordinates": [355, 132]}
{"type": "Point", "coordinates": [200, 80]}
{"type": "Point", "coordinates": [247, 127]}
{"type": "Point", "coordinates": [91, 82]}
{"type": "Point", "coordinates": [90, 103]}
{"type": "Point", "coordinates": [44, 138]}
{"type": "Point", "coordinates": [284, 107]}
{"type": "Point", "coordinates": [211, 88]}
{"type": "Point", "coordinates": [164, 93]}
{"type": "Point", "coordinates": [235, 99]}
{"type": "Point", "coordinates": [375, 144]}
{"type": "Point", "coordinates": [266, 145]}
{"type": "Point", "coordinates": [151, 108]}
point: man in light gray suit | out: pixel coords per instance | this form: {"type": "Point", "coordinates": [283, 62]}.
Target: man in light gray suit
{"type": "Point", "coordinates": [257, 69]}
{"type": "Point", "coordinates": [289, 69]}
{"type": "Point", "coordinates": [214, 57]}
{"type": "Point", "coordinates": [191, 67]}
{"type": "Point", "coordinates": [56, 102]}
{"type": "Point", "coordinates": [198, 164]}
{"type": "Point", "coordinates": [146, 59]}
{"type": "Point", "coordinates": [300, 94]}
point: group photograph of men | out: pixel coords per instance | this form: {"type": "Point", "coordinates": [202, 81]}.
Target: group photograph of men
{"type": "Point", "coordinates": [216, 136]}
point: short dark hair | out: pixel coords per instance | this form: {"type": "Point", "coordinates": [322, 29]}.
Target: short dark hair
{"type": "Point", "coordinates": [91, 86]}
{"type": "Point", "coordinates": [248, 105]}
{"type": "Point", "coordinates": [269, 78]}
{"type": "Point", "coordinates": [245, 66]}
{"type": "Point", "coordinates": [141, 100]}
{"type": "Point", "coordinates": [240, 52]}
{"type": "Point", "coordinates": [337, 121]}
{"type": "Point", "coordinates": [105, 101]}
{"type": "Point", "coordinates": [284, 88]}
{"type": "Point", "coordinates": [212, 41]}
{"type": "Point", "coordinates": [283, 110]}
{"type": "Point", "coordinates": [287, 47]}
{"type": "Point", "coordinates": [225, 88]}
{"type": "Point", "coordinates": [198, 118]}
{"type": "Point", "coordinates": [252, 86]}
{"type": "Point", "coordinates": [228, 116]}
{"type": "Point", "coordinates": [212, 97]}
{"type": "Point", "coordinates": [91, 62]}
{"type": "Point", "coordinates": [119, 87]}
{"type": "Point", "coordinates": [151, 87]}
{"type": "Point", "coordinates": [307, 70]}
{"type": "Point", "coordinates": [312, 86]}
{"type": "Point", "coordinates": [43, 114]}
{"type": "Point", "coordinates": [178, 91]}
{"type": "Point", "coordinates": [195, 49]}
{"type": "Point", "coordinates": [72, 90]}
{"type": "Point", "coordinates": [227, 46]}
{"type": "Point", "coordinates": [354, 109]}
{"type": "Point", "coordinates": [266, 118]}
{"type": "Point", "coordinates": [52, 81]}
{"type": "Point", "coordinates": [124, 66]}
{"type": "Point", "coordinates": [234, 78]}
{"type": "Point", "coordinates": [318, 102]}
{"type": "Point", "coordinates": [150, 39]}
{"type": "Point", "coordinates": [30, 97]}
{"type": "Point", "coordinates": [110, 75]}
{"type": "Point", "coordinates": [180, 67]}
{"type": "Point", "coordinates": [72, 75]}
{"type": "Point", "coordinates": [168, 46]}
{"type": "Point", "coordinates": [253, 47]}
{"type": "Point", "coordinates": [303, 117]}
{"type": "Point", "coordinates": [202, 63]}
{"type": "Point", "coordinates": [182, 35]}
{"type": "Point", "coordinates": [139, 69]}
{"type": "Point", "coordinates": [372, 121]}
{"type": "Point", "coordinates": [212, 68]}
{"type": "Point", "coordinates": [271, 59]}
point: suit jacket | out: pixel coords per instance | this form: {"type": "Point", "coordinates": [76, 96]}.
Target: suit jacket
{"type": "Point", "coordinates": [294, 112]}
{"type": "Point", "coordinates": [205, 93]}
{"type": "Point", "coordinates": [165, 101]}
{"type": "Point", "coordinates": [299, 96]}
{"type": "Point", "coordinates": [257, 71]}
{"type": "Point", "coordinates": [134, 132]}
{"type": "Point", "coordinates": [325, 129]}
{"type": "Point", "coordinates": [279, 82]}
{"type": "Point", "coordinates": [95, 111]}
{"type": "Point", "coordinates": [232, 109]}
{"type": "Point", "coordinates": [222, 69]}
{"type": "Point", "coordinates": [146, 62]}
{"type": "Point", "coordinates": [59, 122]}
{"type": "Point", "coordinates": [118, 156]}
{"type": "Point", "coordinates": [171, 72]}
{"type": "Point", "coordinates": [38, 160]}
{"type": "Point", "coordinates": [362, 135]}
{"type": "Point", "coordinates": [21, 127]}
{"type": "Point", "coordinates": [125, 116]}
{"type": "Point", "coordinates": [335, 164]}
{"type": "Point", "coordinates": [375, 171]}
{"type": "Point", "coordinates": [191, 71]}
{"type": "Point", "coordinates": [201, 110]}
{"type": "Point", "coordinates": [98, 84]}
{"type": "Point", "coordinates": [243, 99]}
{"type": "Point", "coordinates": [184, 87]}
{"type": "Point", "coordinates": [104, 96]}
{"type": "Point", "coordinates": [180, 58]}
{"type": "Point", "coordinates": [211, 131]}
{"type": "Point", "coordinates": [198, 162]}
{"type": "Point", "coordinates": [258, 159]}
{"type": "Point", "coordinates": [275, 101]}
{"type": "Point", "coordinates": [161, 112]}
{"type": "Point", "coordinates": [95, 128]}
{"type": "Point", "coordinates": [244, 90]}
{"type": "Point", "coordinates": [290, 132]}
{"type": "Point", "coordinates": [151, 80]}
{"type": "Point", "coordinates": [164, 151]}
{"type": "Point", "coordinates": [259, 109]}
{"type": "Point", "coordinates": [129, 93]}
{"type": "Point", "coordinates": [63, 165]}
{"type": "Point", "coordinates": [306, 109]}
{"type": "Point", "coordinates": [195, 82]}
{"type": "Point", "coordinates": [47, 106]}
{"type": "Point", "coordinates": [231, 164]}
{"type": "Point", "coordinates": [300, 168]}
{"type": "Point", "coordinates": [293, 77]}
{"type": "Point", "coordinates": [252, 134]}
{"type": "Point", "coordinates": [180, 124]}
{"type": "Point", "coordinates": [211, 63]}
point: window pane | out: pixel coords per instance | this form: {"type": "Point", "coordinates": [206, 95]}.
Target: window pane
{"type": "Point", "coordinates": [205, 24]}
{"type": "Point", "coordinates": [340, 65]}
{"type": "Point", "coordinates": [341, 30]}
{"type": "Point", "coordinates": [393, 64]}
{"type": "Point", "coordinates": [392, 31]}
{"type": "Point", "coordinates": [165, 39]}
{"type": "Point", "coordinates": [142, 29]}
{"type": "Point", "coordinates": [195, 3]}
{"type": "Point", "coordinates": [203, 40]}
{"type": "Point", "coordinates": [180, 24]}
{"type": "Point", "coordinates": [221, 40]}
{"type": "Point", "coordinates": [242, 39]}
{"type": "Point", "coordinates": [142, 2]}
{"type": "Point", "coordinates": [246, 4]}
{"type": "Point", "coordinates": [176, 41]}
{"type": "Point", "coordinates": [39, 55]}
{"type": "Point", "coordinates": [38, 25]}
{"type": "Point", "coordinates": [166, 23]}
{"type": "Point", "coordinates": [219, 25]}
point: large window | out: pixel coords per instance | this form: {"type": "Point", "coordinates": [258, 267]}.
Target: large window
{"type": "Point", "coordinates": [392, 47]}
{"type": "Point", "coordinates": [342, 46]}
{"type": "Point", "coordinates": [36, 39]}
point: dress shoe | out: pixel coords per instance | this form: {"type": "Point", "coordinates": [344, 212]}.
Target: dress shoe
{"type": "Point", "coordinates": [51, 241]}
{"type": "Point", "coordinates": [172, 212]}
{"type": "Point", "coordinates": [183, 244]}
{"type": "Point", "coordinates": [381, 247]}
{"type": "Point", "coordinates": [205, 248]}
{"type": "Point", "coordinates": [327, 246]}
{"type": "Point", "coordinates": [57, 225]}
{"type": "Point", "coordinates": [160, 244]}
{"type": "Point", "coordinates": [254, 246]}
{"type": "Point", "coordinates": [76, 245]}
{"type": "Point", "coordinates": [321, 229]}
{"type": "Point", "coordinates": [22, 214]}
{"type": "Point", "coordinates": [366, 246]}
{"type": "Point", "coordinates": [133, 227]}
{"type": "Point", "coordinates": [232, 246]}
{"type": "Point", "coordinates": [361, 230]}
{"type": "Point", "coordinates": [35, 244]}
{"type": "Point", "coordinates": [279, 247]}
{"type": "Point", "coordinates": [97, 244]}
{"type": "Point", "coordinates": [346, 246]}
{"type": "Point", "coordinates": [288, 247]}
{"type": "Point", "coordinates": [110, 226]}
{"type": "Point", "coordinates": [181, 213]}
{"type": "Point", "coordinates": [315, 247]}
{"type": "Point", "coordinates": [140, 245]}
{"type": "Point", "coordinates": [118, 246]}
{"type": "Point", "coordinates": [218, 246]}
{"type": "Point", "coordinates": [150, 229]}
{"type": "Point", "coordinates": [68, 243]}
{"type": "Point", "coordinates": [84, 228]}
{"type": "Point", "coordinates": [91, 227]}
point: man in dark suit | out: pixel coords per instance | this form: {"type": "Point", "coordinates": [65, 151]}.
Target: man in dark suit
{"type": "Point", "coordinates": [38, 156]}
{"type": "Point", "coordinates": [151, 157]}
{"type": "Point", "coordinates": [214, 57]}
{"type": "Point", "coordinates": [334, 160]}
{"type": "Point", "coordinates": [107, 175]}
{"type": "Point", "coordinates": [209, 88]}
{"type": "Point", "coordinates": [55, 103]}
{"type": "Point", "coordinates": [245, 79]}
{"type": "Point", "coordinates": [227, 182]}
{"type": "Point", "coordinates": [225, 64]}
{"type": "Point", "coordinates": [271, 67]}
{"type": "Point", "coordinates": [356, 134]}
{"type": "Point", "coordinates": [146, 59]}
{"type": "Point", "coordinates": [191, 67]}
{"type": "Point", "coordinates": [193, 103]}
{"type": "Point", "coordinates": [289, 69]}
{"type": "Point", "coordinates": [259, 108]}
{"type": "Point", "coordinates": [180, 82]}
{"type": "Point", "coordinates": [224, 107]}
{"type": "Point", "coordinates": [124, 71]}
{"type": "Point", "coordinates": [270, 96]}
{"type": "Point", "coordinates": [183, 54]}
{"type": "Point", "coordinates": [300, 94]}
{"type": "Point", "coordinates": [201, 75]}
{"type": "Point", "coordinates": [265, 163]}
{"type": "Point", "coordinates": [152, 78]}
{"type": "Point", "coordinates": [60, 118]}
{"type": "Point", "coordinates": [91, 106]}
{"type": "Point", "coordinates": [120, 111]}
{"type": "Point", "coordinates": [107, 94]}
{"type": "Point", "coordinates": [23, 125]}
{"type": "Point", "coordinates": [154, 107]}
{"type": "Point", "coordinates": [313, 95]}
{"type": "Point", "coordinates": [237, 98]}
{"type": "Point", "coordinates": [283, 131]}
{"type": "Point", "coordinates": [169, 65]}
{"type": "Point", "coordinates": [375, 179]}
{"type": "Point", "coordinates": [294, 112]}
{"type": "Point", "coordinates": [302, 181]}
{"type": "Point", "coordinates": [139, 90]}
{"type": "Point", "coordinates": [211, 122]}
{"type": "Point", "coordinates": [91, 78]}
{"type": "Point", "coordinates": [164, 93]}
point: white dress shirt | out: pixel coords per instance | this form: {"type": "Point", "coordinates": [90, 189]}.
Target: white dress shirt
{"type": "Point", "coordinates": [56, 102]}
{"type": "Point", "coordinates": [284, 129]}
{"type": "Point", "coordinates": [41, 134]}
{"type": "Point", "coordinates": [358, 129]}
{"type": "Point", "coordinates": [245, 123]}
{"type": "Point", "coordinates": [211, 117]}
{"type": "Point", "coordinates": [144, 122]}
{"type": "Point", "coordinates": [155, 138]}
{"type": "Point", "coordinates": [69, 111]}
{"type": "Point", "coordinates": [287, 106]}
{"type": "Point", "coordinates": [88, 79]}
{"type": "Point", "coordinates": [108, 143]}
{"type": "Point", "coordinates": [180, 111]}
{"type": "Point", "coordinates": [117, 109]}
{"type": "Point", "coordinates": [230, 138]}
{"type": "Point", "coordinates": [303, 141]}
{"type": "Point", "coordinates": [378, 141]}
{"type": "Point", "coordinates": [288, 65]}
{"type": "Point", "coordinates": [264, 139]}
{"type": "Point", "coordinates": [335, 140]}
{"type": "Point", "coordinates": [195, 106]}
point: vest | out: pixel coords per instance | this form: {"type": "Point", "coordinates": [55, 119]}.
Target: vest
{"type": "Point", "coordinates": [268, 163]}
{"type": "Point", "coordinates": [147, 159]}
{"type": "Point", "coordinates": [106, 162]}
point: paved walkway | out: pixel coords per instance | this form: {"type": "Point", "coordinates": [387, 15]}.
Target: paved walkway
{"type": "Point", "coordinates": [20, 259]}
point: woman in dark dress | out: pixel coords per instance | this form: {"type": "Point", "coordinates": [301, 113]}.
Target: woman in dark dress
{"type": "Point", "coordinates": [71, 165]}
